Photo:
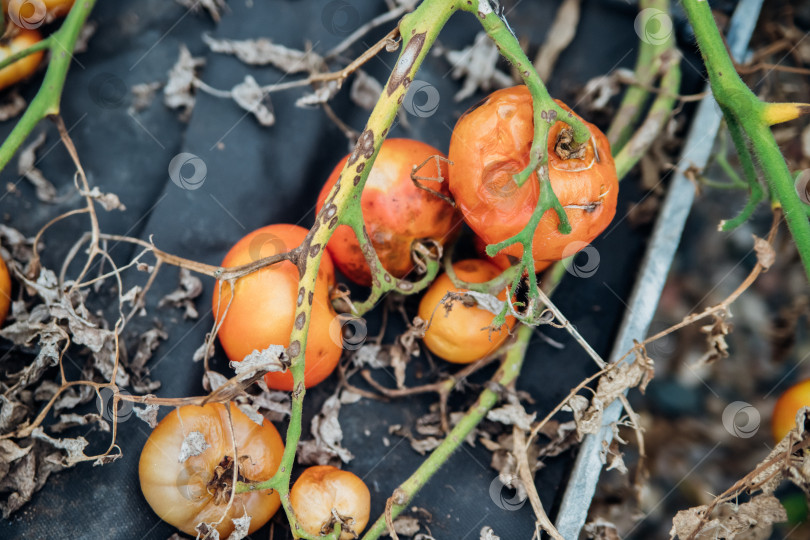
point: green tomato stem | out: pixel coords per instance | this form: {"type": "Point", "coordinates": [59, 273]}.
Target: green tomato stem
{"type": "Point", "coordinates": [506, 375]}
{"type": "Point", "coordinates": [61, 44]}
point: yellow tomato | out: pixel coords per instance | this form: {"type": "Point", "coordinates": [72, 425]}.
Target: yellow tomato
{"type": "Point", "coordinates": [322, 488]}
{"type": "Point", "coordinates": [24, 67]}
{"type": "Point", "coordinates": [462, 335]}
{"type": "Point", "coordinates": [196, 489]}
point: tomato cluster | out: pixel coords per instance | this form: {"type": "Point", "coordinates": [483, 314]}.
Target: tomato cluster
{"type": "Point", "coordinates": [407, 200]}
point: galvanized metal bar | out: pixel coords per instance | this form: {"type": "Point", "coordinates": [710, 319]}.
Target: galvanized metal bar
{"type": "Point", "coordinates": [652, 276]}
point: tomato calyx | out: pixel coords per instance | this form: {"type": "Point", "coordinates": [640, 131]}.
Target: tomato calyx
{"type": "Point", "coordinates": [221, 484]}
{"type": "Point", "coordinates": [345, 522]}
{"type": "Point", "coordinates": [566, 147]}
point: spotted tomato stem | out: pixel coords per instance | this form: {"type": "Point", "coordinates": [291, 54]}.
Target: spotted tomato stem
{"type": "Point", "coordinates": [47, 101]}
{"type": "Point", "coordinates": [506, 375]}
{"type": "Point", "coordinates": [741, 106]}
{"type": "Point", "coordinates": [418, 30]}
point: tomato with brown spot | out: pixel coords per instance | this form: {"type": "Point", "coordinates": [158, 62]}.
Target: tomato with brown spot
{"type": "Point", "coordinates": [262, 310]}
{"type": "Point", "coordinates": [396, 212]}
{"type": "Point", "coordinates": [322, 490]}
{"type": "Point", "coordinates": [185, 488]}
{"type": "Point", "coordinates": [491, 143]}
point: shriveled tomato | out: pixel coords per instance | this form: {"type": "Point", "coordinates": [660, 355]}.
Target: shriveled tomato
{"type": "Point", "coordinates": [186, 467]}
{"type": "Point", "coordinates": [33, 13]}
{"type": "Point", "coordinates": [24, 67]}
{"type": "Point", "coordinates": [324, 488]}
{"type": "Point", "coordinates": [461, 335]}
{"type": "Point", "coordinates": [788, 404]}
{"type": "Point", "coordinates": [491, 143]}
{"type": "Point", "coordinates": [5, 290]}
{"type": "Point", "coordinates": [263, 306]}
{"type": "Point", "coordinates": [395, 211]}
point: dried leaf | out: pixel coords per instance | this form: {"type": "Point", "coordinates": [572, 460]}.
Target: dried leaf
{"type": "Point", "coordinates": [327, 437]}
{"type": "Point", "coordinates": [600, 529]}
{"type": "Point", "coordinates": [179, 89]}
{"type": "Point", "coordinates": [11, 105]}
{"type": "Point", "coordinates": [365, 90]}
{"type": "Point", "coordinates": [69, 420]}
{"type": "Point", "coordinates": [73, 447]}
{"type": "Point", "coordinates": [323, 94]}
{"type": "Point", "coordinates": [406, 526]}
{"type": "Point", "coordinates": [142, 96]}
{"type": "Point", "coordinates": [183, 297]}
{"type": "Point", "coordinates": [250, 96]}
{"type": "Point", "coordinates": [26, 167]}
{"type": "Point", "coordinates": [148, 342]}
{"type": "Point", "coordinates": [488, 534]}
{"type": "Point", "coordinates": [213, 7]}
{"type": "Point", "coordinates": [271, 359]}
{"type": "Point", "coordinates": [262, 52]}
{"type": "Point", "coordinates": [241, 527]}
{"type": "Point", "coordinates": [765, 253]}
{"type": "Point", "coordinates": [193, 444]}
{"type": "Point", "coordinates": [148, 414]}
{"type": "Point", "coordinates": [108, 201]}
{"type": "Point", "coordinates": [752, 520]}
{"type": "Point", "coordinates": [477, 65]}
{"type": "Point", "coordinates": [512, 414]}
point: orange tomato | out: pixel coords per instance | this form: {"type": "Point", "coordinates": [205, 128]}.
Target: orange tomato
{"type": "Point", "coordinates": [788, 404]}
{"type": "Point", "coordinates": [322, 488]}
{"type": "Point", "coordinates": [197, 489]}
{"type": "Point", "coordinates": [461, 335]}
{"type": "Point", "coordinates": [263, 306]}
{"type": "Point", "coordinates": [490, 144]}
{"type": "Point", "coordinates": [24, 67]}
{"type": "Point", "coordinates": [5, 290]}
{"type": "Point", "coordinates": [395, 211]}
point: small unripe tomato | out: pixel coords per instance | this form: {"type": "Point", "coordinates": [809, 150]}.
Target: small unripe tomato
{"type": "Point", "coordinates": [197, 489]}
{"type": "Point", "coordinates": [24, 67]}
{"type": "Point", "coordinates": [788, 404]}
{"type": "Point", "coordinates": [263, 308]}
{"type": "Point", "coordinates": [461, 335]}
{"type": "Point", "coordinates": [5, 290]}
{"type": "Point", "coordinates": [490, 144]}
{"type": "Point", "coordinates": [33, 13]}
{"type": "Point", "coordinates": [395, 211]}
{"type": "Point", "coordinates": [321, 489]}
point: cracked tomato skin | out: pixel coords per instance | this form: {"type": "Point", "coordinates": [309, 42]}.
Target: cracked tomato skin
{"type": "Point", "coordinates": [460, 335]}
{"type": "Point", "coordinates": [5, 290]}
{"type": "Point", "coordinates": [24, 67]}
{"type": "Point", "coordinates": [788, 404]}
{"type": "Point", "coordinates": [491, 143]}
{"type": "Point", "coordinates": [179, 492]}
{"type": "Point", "coordinates": [321, 488]}
{"type": "Point", "coordinates": [263, 308]}
{"type": "Point", "coordinates": [396, 212]}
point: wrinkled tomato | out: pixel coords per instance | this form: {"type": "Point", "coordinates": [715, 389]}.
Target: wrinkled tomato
{"type": "Point", "coordinates": [491, 143]}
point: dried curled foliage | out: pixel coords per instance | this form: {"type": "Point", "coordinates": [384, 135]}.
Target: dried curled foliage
{"type": "Point", "coordinates": [725, 518]}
